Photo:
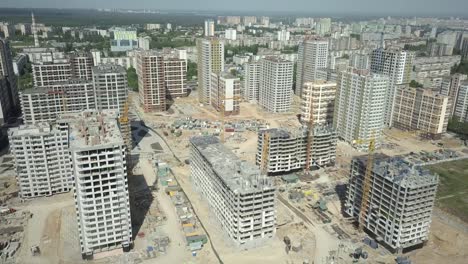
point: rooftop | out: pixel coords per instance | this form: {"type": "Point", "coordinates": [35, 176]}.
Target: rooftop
{"type": "Point", "coordinates": [109, 68]}
{"type": "Point", "coordinates": [238, 175]}
{"type": "Point", "coordinates": [30, 130]}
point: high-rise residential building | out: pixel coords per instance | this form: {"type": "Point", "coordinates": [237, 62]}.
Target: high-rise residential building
{"type": "Point", "coordinates": [448, 37]}
{"type": "Point", "coordinates": [283, 35]}
{"type": "Point", "coordinates": [81, 63]}
{"type": "Point", "coordinates": [397, 64]}
{"type": "Point", "coordinates": [7, 30]}
{"type": "Point", "coordinates": [450, 87]}
{"type": "Point", "coordinates": [313, 55]}
{"type": "Point", "coordinates": [265, 21]}
{"type": "Point", "coordinates": [233, 20]}
{"type": "Point", "coordinates": [9, 99]}
{"type": "Point", "coordinates": [230, 34]}
{"type": "Point", "coordinates": [251, 81]}
{"type": "Point", "coordinates": [151, 87]}
{"type": "Point", "coordinates": [323, 26]}
{"type": "Point", "coordinates": [439, 49]}
{"type": "Point", "coordinates": [225, 93]}
{"type": "Point", "coordinates": [110, 86]}
{"type": "Point", "coordinates": [42, 160]}
{"type": "Point", "coordinates": [464, 49]}
{"type": "Point", "coordinates": [45, 104]}
{"type": "Point", "coordinates": [101, 187]}
{"type": "Point", "coordinates": [241, 199]}
{"type": "Point", "coordinates": [276, 81]}
{"type": "Point", "coordinates": [399, 203]}
{"type": "Point", "coordinates": [50, 73]}
{"type": "Point", "coordinates": [175, 75]}
{"type": "Point", "coordinates": [360, 107]}
{"type": "Point", "coordinates": [318, 99]}
{"type": "Point", "coordinates": [286, 150]}
{"type": "Point", "coordinates": [461, 105]}
{"type": "Point", "coordinates": [360, 61]}
{"type": "Point", "coordinates": [421, 109]}
{"type": "Point", "coordinates": [209, 28]}
{"type": "Point", "coordinates": [144, 42]}
{"type": "Point", "coordinates": [249, 20]}
{"type": "Point", "coordinates": [210, 59]}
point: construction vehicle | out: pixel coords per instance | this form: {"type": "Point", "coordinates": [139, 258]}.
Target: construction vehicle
{"type": "Point", "coordinates": [367, 182]}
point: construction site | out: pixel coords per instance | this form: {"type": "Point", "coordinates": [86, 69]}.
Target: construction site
{"type": "Point", "coordinates": [174, 222]}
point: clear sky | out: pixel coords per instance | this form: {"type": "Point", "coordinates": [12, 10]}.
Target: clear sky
{"type": "Point", "coordinates": [404, 7]}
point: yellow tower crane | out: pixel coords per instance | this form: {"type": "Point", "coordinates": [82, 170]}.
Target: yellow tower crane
{"type": "Point", "coordinates": [367, 181]}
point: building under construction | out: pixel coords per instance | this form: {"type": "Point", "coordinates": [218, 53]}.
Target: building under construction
{"type": "Point", "coordinates": [286, 150]}
{"type": "Point", "coordinates": [241, 198]}
{"type": "Point", "coordinates": [399, 203]}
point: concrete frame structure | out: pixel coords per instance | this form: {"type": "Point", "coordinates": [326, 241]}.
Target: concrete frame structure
{"type": "Point", "coordinates": [312, 55]}
{"type": "Point", "coordinates": [210, 59]}
{"type": "Point", "coordinates": [276, 83]}
{"type": "Point", "coordinates": [421, 109]}
{"type": "Point", "coordinates": [225, 92]}
{"type": "Point", "coordinates": [252, 81]}
{"type": "Point", "coordinates": [287, 149]}
{"type": "Point", "coordinates": [42, 159]}
{"type": "Point", "coordinates": [110, 86]}
{"type": "Point", "coordinates": [151, 82]}
{"type": "Point", "coordinates": [242, 200]}
{"type": "Point", "coordinates": [45, 104]}
{"type": "Point", "coordinates": [400, 202]}
{"type": "Point", "coordinates": [360, 103]}
{"type": "Point", "coordinates": [101, 188]}
{"type": "Point", "coordinates": [50, 73]}
{"type": "Point", "coordinates": [175, 75]}
{"type": "Point", "coordinates": [81, 64]}
{"type": "Point", "coordinates": [397, 64]}
{"type": "Point", "coordinates": [318, 97]}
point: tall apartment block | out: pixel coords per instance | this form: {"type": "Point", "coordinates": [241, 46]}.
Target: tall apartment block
{"type": "Point", "coordinates": [421, 109]}
{"type": "Point", "coordinates": [318, 98]}
{"type": "Point", "coordinates": [287, 149]}
{"type": "Point", "coordinates": [210, 59]}
{"type": "Point", "coordinates": [461, 106]}
{"type": "Point", "coordinates": [101, 187]}
{"type": "Point", "coordinates": [111, 87]}
{"type": "Point", "coordinates": [241, 198]}
{"type": "Point", "coordinates": [42, 159]}
{"type": "Point", "coordinates": [360, 103]}
{"type": "Point", "coordinates": [150, 71]}
{"type": "Point", "coordinates": [49, 73]}
{"type": "Point", "coordinates": [252, 81]}
{"type": "Point", "coordinates": [82, 63]}
{"type": "Point", "coordinates": [400, 201]}
{"type": "Point", "coordinates": [450, 87]}
{"type": "Point", "coordinates": [209, 28]}
{"type": "Point", "coordinates": [9, 99]}
{"type": "Point", "coordinates": [45, 104]}
{"type": "Point", "coordinates": [313, 55]}
{"type": "Point", "coordinates": [175, 75]}
{"type": "Point", "coordinates": [397, 64]}
{"type": "Point", "coordinates": [225, 93]}
{"type": "Point", "coordinates": [276, 81]}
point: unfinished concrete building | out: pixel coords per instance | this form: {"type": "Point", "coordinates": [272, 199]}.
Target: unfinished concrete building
{"type": "Point", "coordinates": [318, 97]}
{"type": "Point", "coordinates": [400, 201]}
{"type": "Point", "coordinates": [286, 150]}
{"type": "Point", "coordinates": [41, 158]}
{"type": "Point", "coordinates": [175, 75]}
{"type": "Point", "coordinates": [421, 109]}
{"type": "Point", "coordinates": [225, 93]}
{"type": "Point", "coordinates": [81, 63]}
{"type": "Point", "coordinates": [276, 81]}
{"type": "Point", "coordinates": [110, 86]}
{"type": "Point", "coordinates": [50, 73]}
{"type": "Point", "coordinates": [44, 104]}
{"type": "Point", "coordinates": [101, 187]}
{"type": "Point", "coordinates": [241, 199]}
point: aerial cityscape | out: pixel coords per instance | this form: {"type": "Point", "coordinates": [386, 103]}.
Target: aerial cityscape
{"type": "Point", "coordinates": [298, 132]}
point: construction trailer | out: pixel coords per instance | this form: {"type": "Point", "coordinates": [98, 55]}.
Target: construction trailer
{"type": "Point", "coordinates": [399, 203]}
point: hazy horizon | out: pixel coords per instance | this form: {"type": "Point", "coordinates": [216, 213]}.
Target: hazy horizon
{"type": "Point", "coordinates": [396, 7]}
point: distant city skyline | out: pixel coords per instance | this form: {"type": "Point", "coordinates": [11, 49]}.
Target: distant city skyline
{"type": "Point", "coordinates": [403, 7]}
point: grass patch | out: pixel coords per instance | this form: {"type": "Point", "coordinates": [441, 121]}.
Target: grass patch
{"type": "Point", "coordinates": [453, 188]}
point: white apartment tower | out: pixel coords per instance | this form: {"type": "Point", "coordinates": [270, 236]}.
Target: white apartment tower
{"type": "Point", "coordinates": [225, 93]}
{"type": "Point", "coordinates": [318, 97]}
{"type": "Point", "coordinates": [42, 159]}
{"type": "Point", "coordinates": [209, 28]}
{"type": "Point", "coordinates": [251, 81]}
{"type": "Point", "coordinates": [241, 199]}
{"type": "Point", "coordinates": [397, 64]}
{"type": "Point", "coordinates": [210, 59]}
{"type": "Point", "coordinates": [276, 81]}
{"type": "Point", "coordinates": [101, 187]}
{"type": "Point", "coordinates": [313, 55]}
{"type": "Point", "coordinates": [110, 86]}
{"type": "Point", "coordinates": [360, 107]}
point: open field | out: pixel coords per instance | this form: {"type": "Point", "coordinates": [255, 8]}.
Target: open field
{"type": "Point", "coordinates": [453, 187]}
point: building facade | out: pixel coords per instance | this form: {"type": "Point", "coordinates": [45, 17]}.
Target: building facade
{"type": "Point", "coordinates": [313, 55]}
{"type": "Point", "coordinates": [318, 102]}
{"type": "Point", "coordinates": [225, 93]}
{"type": "Point", "coordinates": [110, 86]}
{"type": "Point", "coordinates": [252, 81]}
{"type": "Point", "coordinates": [151, 82]}
{"type": "Point", "coordinates": [50, 73]}
{"type": "Point", "coordinates": [81, 65]}
{"type": "Point", "coordinates": [276, 81]}
{"type": "Point", "coordinates": [9, 99]}
{"type": "Point", "coordinates": [461, 105]}
{"type": "Point", "coordinates": [210, 59]}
